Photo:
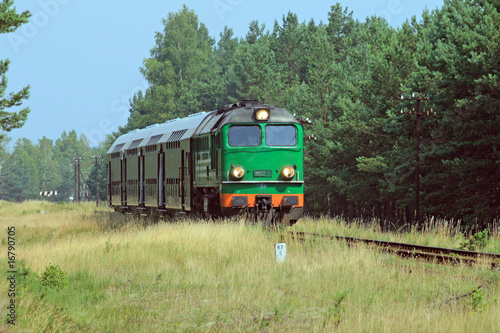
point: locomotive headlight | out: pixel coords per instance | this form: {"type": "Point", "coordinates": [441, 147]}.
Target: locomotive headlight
{"type": "Point", "coordinates": [288, 172]}
{"type": "Point", "coordinates": [238, 172]}
{"type": "Point", "coordinates": [262, 114]}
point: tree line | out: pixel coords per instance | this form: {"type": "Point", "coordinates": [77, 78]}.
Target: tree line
{"type": "Point", "coordinates": [348, 76]}
{"type": "Point", "coordinates": [46, 170]}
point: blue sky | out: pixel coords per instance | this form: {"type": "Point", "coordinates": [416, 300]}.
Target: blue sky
{"type": "Point", "coordinates": [82, 58]}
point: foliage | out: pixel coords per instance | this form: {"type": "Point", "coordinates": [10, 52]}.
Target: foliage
{"type": "Point", "coordinates": [47, 166]}
{"type": "Point", "coordinates": [101, 177]}
{"type": "Point", "coordinates": [456, 65]}
{"type": "Point", "coordinates": [9, 22]}
{"type": "Point", "coordinates": [53, 278]}
{"type": "Point", "coordinates": [476, 301]}
{"type": "Point", "coordinates": [334, 312]}
{"type": "Point", "coordinates": [5, 168]}
{"type": "Point", "coordinates": [475, 242]}
{"type": "Point", "coordinates": [177, 72]}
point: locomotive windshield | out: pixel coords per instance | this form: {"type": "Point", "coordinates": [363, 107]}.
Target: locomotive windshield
{"type": "Point", "coordinates": [239, 136]}
{"type": "Point", "coordinates": [281, 135]}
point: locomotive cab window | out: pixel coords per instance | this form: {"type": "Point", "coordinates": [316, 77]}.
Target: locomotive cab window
{"type": "Point", "coordinates": [281, 135]}
{"type": "Point", "coordinates": [240, 136]}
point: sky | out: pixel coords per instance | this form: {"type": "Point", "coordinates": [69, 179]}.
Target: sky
{"type": "Point", "coordinates": [82, 57]}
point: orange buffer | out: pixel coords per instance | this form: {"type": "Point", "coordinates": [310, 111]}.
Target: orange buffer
{"type": "Point", "coordinates": [226, 199]}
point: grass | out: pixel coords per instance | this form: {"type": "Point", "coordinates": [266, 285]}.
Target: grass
{"type": "Point", "coordinates": [189, 275]}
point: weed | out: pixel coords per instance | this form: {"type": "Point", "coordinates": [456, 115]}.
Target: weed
{"type": "Point", "coordinates": [477, 241]}
{"type": "Point", "coordinates": [53, 278]}
{"type": "Point", "coordinates": [476, 302]}
{"type": "Point", "coordinates": [334, 312]}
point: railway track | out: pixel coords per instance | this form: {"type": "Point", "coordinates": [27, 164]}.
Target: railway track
{"type": "Point", "coordinates": [429, 253]}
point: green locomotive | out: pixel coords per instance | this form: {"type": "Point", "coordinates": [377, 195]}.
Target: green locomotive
{"type": "Point", "coordinates": [242, 159]}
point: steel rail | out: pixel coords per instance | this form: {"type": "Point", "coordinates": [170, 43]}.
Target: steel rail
{"type": "Point", "coordinates": [439, 254]}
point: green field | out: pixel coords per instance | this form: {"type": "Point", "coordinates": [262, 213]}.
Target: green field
{"type": "Point", "coordinates": [135, 276]}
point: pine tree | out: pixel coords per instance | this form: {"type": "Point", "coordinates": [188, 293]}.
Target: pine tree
{"type": "Point", "coordinates": [461, 70]}
{"type": "Point", "coordinates": [227, 81]}
{"type": "Point", "coordinates": [9, 22]}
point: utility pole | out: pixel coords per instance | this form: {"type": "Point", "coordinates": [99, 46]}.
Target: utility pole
{"type": "Point", "coordinates": [74, 181]}
{"type": "Point", "coordinates": [418, 112]}
{"type": "Point", "coordinates": [96, 182]}
{"type": "Point", "coordinates": [78, 175]}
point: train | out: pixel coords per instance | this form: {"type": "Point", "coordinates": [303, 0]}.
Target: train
{"type": "Point", "coordinates": [243, 159]}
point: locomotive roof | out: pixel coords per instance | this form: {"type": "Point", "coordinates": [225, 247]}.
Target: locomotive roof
{"type": "Point", "coordinates": [244, 112]}
{"type": "Point", "coordinates": [198, 124]}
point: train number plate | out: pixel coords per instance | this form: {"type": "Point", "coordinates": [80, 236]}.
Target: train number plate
{"type": "Point", "coordinates": [263, 173]}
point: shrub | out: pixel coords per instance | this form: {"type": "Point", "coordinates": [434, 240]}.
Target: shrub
{"type": "Point", "coordinates": [53, 277]}
{"type": "Point", "coordinates": [478, 241]}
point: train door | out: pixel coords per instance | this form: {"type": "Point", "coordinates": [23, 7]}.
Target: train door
{"type": "Point", "coordinates": [182, 174]}
{"type": "Point", "coordinates": [187, 180]}
{"type": "Point", "coordinates": [161, 178]}
{"type": "Point", "coordinates": [109, 183]}
{"type": "Point", "coordinates": [123, 171]}
{"type": "Point", "coordinates": [141, 178]}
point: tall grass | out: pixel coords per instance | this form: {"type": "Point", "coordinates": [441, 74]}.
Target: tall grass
{"type": "Point", "coordinates": [199, 275]}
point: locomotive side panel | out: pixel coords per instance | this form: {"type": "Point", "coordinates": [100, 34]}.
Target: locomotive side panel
{"type": "Point", "coordinates": [205, 157]}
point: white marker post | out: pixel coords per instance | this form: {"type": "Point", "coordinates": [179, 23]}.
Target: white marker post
{"type": "Point", "coordinates": [280, 252]}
